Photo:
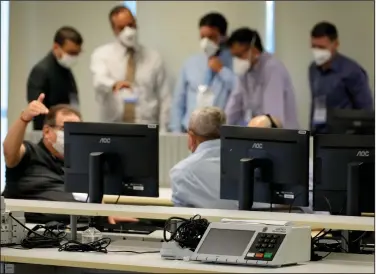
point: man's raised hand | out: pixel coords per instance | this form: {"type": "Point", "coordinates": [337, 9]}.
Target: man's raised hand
{"type": "Point", "coordinates": [35, 108]}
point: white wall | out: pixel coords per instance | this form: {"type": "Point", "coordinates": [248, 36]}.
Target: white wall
{"type": "Point", "coordinates": [32, 27]}
{"type": "Point", "coordinates": [294, 21]}
{"type": "Point", "coordinates": [172, 28]}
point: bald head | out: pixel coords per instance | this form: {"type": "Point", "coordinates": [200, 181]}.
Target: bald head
{"type": "Point", "coordinates": [205, 124]}
{"type": "Point", "coordinates": [264, 121]}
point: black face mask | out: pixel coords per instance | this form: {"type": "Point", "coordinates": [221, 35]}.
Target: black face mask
{"type": "Point", "coordinates": [271, 121]}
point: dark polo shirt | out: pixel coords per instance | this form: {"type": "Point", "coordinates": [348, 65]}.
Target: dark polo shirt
{"type": "Point", "coordinates": [56, 82]}
{"type": "Point", "coordinates": [39, 176]}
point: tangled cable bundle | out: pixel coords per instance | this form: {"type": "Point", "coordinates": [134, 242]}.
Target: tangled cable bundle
{"type": "Point", "coordinates": [41, 236]}
{"type": "Point", "coordinates": [97, 246]}
{"type": "Point", "coordinates": [188, 232]}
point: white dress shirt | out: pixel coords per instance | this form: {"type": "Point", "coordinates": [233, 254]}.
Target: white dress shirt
{"type": "Point", "coordinates": [108, 66]}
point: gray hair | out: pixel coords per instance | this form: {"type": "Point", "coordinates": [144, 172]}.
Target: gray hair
{"type": "Point", "coordinates": [207, 121]}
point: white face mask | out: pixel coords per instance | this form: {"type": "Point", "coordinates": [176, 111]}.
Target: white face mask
{"type": "Point", "coordinates": [209, 47]}
{"type": "Point", "coordinates": [240, 66]}
{"type": "Point", "coordinates": [67, 60]}
{"type": "Point", "coordinates": [321, 56]}
{"type": "Point", "coordinates": [128, 37]}
{"type": "Point", "coordinates": [59, 144]}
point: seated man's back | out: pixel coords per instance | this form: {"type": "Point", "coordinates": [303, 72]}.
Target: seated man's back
{"type": "Point", "coordinates": [196, 180]}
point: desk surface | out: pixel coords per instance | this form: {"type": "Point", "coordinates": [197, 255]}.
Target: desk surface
{"type": "Point", "coordinates": [213, 215]}
{"type": "Point", "coordinates": [164, 199]}
{"type": "Point", "coordinates": [152, 263]}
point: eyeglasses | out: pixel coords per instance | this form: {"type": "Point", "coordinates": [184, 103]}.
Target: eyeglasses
{"type": "Point", "coordinates": [58, 127]}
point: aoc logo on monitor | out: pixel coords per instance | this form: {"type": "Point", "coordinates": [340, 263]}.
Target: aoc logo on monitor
{"type": "Point", "coordinates": [363, 153]}
{"type": "Point", "coordinates": [257, 145]}
{"type": "Point", "coordinates": [105, 140]}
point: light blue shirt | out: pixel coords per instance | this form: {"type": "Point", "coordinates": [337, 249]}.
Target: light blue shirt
{"type": "Point", "coordinates": [195, 72]}
{"type": "Point", "coordinates": [195, 181]}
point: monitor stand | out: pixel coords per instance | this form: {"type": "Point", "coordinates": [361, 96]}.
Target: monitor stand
{"type": "Point", "coordinates": [351, 239]}
{"type": "Point", "coordinates": [96, 184]}
{"type": "Point", "coordinates": [247, 179]}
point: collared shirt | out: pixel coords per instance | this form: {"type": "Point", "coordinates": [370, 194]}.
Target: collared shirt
{"type": "Point", "coordinates": [344, 85]}
{"type": "Point", "coordinates": [195, 72]}
{"type": "Point", "coordinates": [39, 176]}
{"type": "Point", "coordinates": [56, 82]}
{"type": "Point", "coordinates": [265, 88]}
{"type": "Point", "coordinates": [195, 181]}
{"type": "Point", "coordinates": [108, 66]}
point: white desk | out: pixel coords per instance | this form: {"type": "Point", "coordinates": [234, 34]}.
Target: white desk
{"type": "Point", "coordinates": [213, 215]}
{"type": "Point", "coordinates": [152, 263]}
{"type": "Point", "coordinates": [164, 199]}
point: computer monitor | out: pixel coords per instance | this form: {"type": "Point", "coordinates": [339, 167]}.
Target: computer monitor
{"type": "Point", "coordinates": [344, 174]}
{"type": "Point", "coordinates": [350, 121]}
{"type": "Point", "coordinates": [111, 158]}
{"type": "Point", "coordinates": [265, 165]}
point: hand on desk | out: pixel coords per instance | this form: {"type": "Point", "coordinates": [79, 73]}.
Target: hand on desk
{"type": "Point", "coordinates": [113, 220]}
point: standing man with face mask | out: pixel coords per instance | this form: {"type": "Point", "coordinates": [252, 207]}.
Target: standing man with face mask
{"type": "Point", "coordinates": [206, 79]}
{"type": "Point", "coordinates": [335, 80]}
{"type": "Point", "coordinates": [264, 85]}
{"type": "Point", "coordinates": [129, 79]}
{"type": "Point", "coordinates": [53, 76]}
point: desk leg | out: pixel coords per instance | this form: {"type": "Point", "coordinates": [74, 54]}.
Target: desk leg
{"type": "Point", "coordinates": [351, 241]}
{"type": "Point", "coordinates": [73, 227]}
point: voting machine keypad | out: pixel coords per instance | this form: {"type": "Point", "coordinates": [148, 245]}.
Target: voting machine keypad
{"type": "Point", "coordinates": [265, 247]}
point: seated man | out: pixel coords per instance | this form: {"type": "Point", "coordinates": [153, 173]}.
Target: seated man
{"type": "Point", "coordinates": [36, 171]}
{"type": "Point", "coordinates": [195, 181]}
{"type": "Point", "coordinates": [267, 121]}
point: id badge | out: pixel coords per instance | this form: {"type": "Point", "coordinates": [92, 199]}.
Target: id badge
{"type": "Point", "coordinates": [205, 97]}
{"type": "Point", "coordinates": [129, 96]}
{"type": "Point", "coordinates": [319, 111]}
{"type": "Point", "coordinates": [248, 116]}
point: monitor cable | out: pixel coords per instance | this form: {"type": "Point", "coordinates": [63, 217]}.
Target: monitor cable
{"type": "Point", "coordinates": [96, 246]}
{"type": "Point", "coordinates": [117, 200]}
{"type": "Point", "coordinates": [50, 237]}
{"type": "Point", "coordinates": [293, 201]}
{"type": "Point", "coordinates": [188, 232]}
{"type": "Point", "coordinates": [317, 246]}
